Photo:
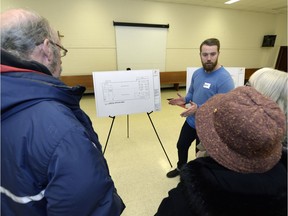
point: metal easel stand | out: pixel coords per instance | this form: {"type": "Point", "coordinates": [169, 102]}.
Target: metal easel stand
{"type": "Point", "coordinates": [113, 117]}
{"type": "Point", "coordinates": [148, 114]}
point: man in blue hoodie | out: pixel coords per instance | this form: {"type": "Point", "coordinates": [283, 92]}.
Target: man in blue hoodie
{"type": "Point", "coordinates": [51, 158]}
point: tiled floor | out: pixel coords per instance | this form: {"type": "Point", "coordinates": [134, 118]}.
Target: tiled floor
{"type": "Point", "coordinates": [136, 160]}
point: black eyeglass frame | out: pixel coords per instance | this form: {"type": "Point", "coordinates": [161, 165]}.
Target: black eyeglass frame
{"type": "Point", "coordinates": [61, 47]}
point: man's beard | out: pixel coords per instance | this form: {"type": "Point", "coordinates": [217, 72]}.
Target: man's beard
{"type": "Point", "coordinates": [209, 66]}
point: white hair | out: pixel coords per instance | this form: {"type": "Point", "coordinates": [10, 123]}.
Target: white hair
{"type": "Point", "coordinates": [272, 83]}
{"type": "Point", "coordinates": [22, 30]}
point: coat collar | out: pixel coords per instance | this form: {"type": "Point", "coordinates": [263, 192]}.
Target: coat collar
{"type": "Point", "coordinates": [9, 61]}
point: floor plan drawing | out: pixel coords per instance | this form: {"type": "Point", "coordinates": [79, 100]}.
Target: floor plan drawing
{"type": "Point", "coordinates": [126, 92]}
{"type": "Point", "coordinates": [115, 92]}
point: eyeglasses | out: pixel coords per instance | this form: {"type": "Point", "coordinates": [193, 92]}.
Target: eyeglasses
{"type": "Point", "coordinates": [63, 51]}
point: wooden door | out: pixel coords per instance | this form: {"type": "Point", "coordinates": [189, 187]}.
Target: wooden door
{"type": "Point", "coordinates": [281, 63]}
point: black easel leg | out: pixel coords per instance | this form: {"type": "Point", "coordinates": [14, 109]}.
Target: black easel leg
{"type": "Point", "coordinates": [113, 117]}
{"type": "Point", "coordinates": [159, 138]}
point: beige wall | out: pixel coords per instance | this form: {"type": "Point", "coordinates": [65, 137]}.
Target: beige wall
{"type": "Point", "coordinates": [89, 35]}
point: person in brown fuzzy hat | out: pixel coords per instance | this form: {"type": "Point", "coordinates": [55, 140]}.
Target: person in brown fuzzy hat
{"type": "Point", "coordinates": [242, 132]}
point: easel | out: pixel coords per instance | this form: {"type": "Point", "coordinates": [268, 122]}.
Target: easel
{"type": "Point", "coordinates": [148, 114]}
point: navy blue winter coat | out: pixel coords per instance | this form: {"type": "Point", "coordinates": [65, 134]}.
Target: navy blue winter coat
{"type": "Point", "coordinates": [51, 159]}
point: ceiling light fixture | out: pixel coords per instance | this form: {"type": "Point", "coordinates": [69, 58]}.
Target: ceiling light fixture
{"type": "Point", "coordinates": [231, 1]}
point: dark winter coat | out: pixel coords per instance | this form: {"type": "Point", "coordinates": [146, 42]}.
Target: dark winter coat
{"type": "Point", "coordinates": [51, 159]}
{"type": "Point", "coordinates": [209, 189]}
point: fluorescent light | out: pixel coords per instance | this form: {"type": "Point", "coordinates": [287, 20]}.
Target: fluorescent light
{"type": "Point", "coordinates": [231, 1]}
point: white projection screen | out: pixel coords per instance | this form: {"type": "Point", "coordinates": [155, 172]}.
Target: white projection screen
{"type": "Point", "coordinates": [141, 46]}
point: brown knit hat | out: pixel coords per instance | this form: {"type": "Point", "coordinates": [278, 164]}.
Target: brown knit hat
{"type": "Point", "coordinates": [242, 130]}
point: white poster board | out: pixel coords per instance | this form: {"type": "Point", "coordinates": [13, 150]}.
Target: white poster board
{"type": "Point", "coordinates": [126, 92]}
{"type": "Point", "coordinates": [237, 74]}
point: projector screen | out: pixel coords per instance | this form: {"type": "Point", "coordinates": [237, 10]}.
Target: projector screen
{"type": "Point", "coordinates": [141, 47]}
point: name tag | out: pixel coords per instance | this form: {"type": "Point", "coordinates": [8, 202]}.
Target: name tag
{"type": "Point", "coordinates": [207, 85]}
